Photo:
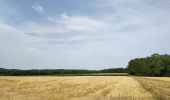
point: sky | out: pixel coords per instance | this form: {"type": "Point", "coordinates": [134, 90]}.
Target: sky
{"type": "Point", "coordinates": [81, 34]}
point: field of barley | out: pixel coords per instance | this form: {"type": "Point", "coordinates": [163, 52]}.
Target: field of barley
{"type": "Point", "coordinates": [84, 88]}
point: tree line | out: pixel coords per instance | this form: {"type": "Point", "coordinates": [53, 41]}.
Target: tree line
{"type": "Point", "coordinates": [18, 72]}
{"type": "Point", "coordinates": [154, 65]}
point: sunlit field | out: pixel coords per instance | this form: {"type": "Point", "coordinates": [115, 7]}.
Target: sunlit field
{"type": "Point", "coordinates": [84, 88]}
{"type": "Point", "coordinates": [159, 86]}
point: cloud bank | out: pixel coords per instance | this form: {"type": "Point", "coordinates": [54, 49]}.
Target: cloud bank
{"type": "Point", "coordinates": [81, 34]}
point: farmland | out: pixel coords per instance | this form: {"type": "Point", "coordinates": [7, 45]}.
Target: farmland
{"type": "Point", "coordinates": [83, 88]}
{"type": "Point", "coordinates": [159, 86]}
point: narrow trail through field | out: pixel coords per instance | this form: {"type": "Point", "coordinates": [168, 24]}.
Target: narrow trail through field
{"type": "Point", "coordinates": [126, 88]}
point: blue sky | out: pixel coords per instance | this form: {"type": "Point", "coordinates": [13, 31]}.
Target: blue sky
{"type": "Point", "coordinates": [81, 34]}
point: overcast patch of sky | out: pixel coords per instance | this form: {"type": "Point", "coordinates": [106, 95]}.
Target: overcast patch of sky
{"type": "Point", "coordinates": [81, 34]}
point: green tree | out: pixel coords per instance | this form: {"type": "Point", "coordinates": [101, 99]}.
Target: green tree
{"type": "Point", "coordinates": [156, 65]}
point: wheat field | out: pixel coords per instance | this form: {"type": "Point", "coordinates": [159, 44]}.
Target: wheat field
{"type": "Point", "coordinates": [77, 88]}
{"type": "Point", "coordinates": [159, 86]}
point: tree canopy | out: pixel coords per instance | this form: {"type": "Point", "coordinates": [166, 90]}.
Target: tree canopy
{"type": "Point", "coordinates": [154, 65]}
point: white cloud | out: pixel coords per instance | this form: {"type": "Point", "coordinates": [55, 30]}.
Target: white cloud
{"type": "Point", "coordinates": [64, 15]}
{"type": "Point", "coordinates": [84, 24]}
{"type": "Point", "coordinates": [7, 28]}
{"type": "Point", "coordinates": [78, 23]}
{"type": "Point", "coordinates": [34, 27]}
{"type": "Point", "coordinates": [37, 7]}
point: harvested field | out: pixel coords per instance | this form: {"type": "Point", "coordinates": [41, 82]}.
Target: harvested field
{"type": "Point", "coordinates": [73, 88]}
{"type": "Point", "coordinates": [159, 86]}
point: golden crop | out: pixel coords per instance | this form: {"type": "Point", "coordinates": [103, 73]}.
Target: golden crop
{"type": "Point", "coordinates": [73, 88]}
{"type": "Point", "coordinates": [159, 86]}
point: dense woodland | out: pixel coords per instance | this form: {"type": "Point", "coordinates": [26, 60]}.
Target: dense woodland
{"type": "Point", "coordinates": [154, 65]}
